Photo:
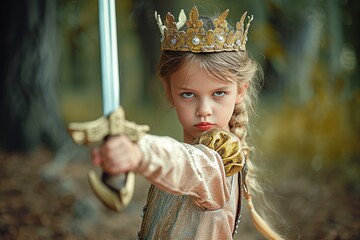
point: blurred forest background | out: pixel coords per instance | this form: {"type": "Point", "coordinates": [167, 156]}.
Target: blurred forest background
{"type": "Point", "coordinates": [306, 130]}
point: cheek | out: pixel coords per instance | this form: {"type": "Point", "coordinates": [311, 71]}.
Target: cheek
{"type": "Point", "coordinates": [227, 109]}
{"type": "Point", "coordinates": [183, 111]}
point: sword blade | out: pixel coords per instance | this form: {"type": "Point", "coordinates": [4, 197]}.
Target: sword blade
{"type": "Point", "coordinates": [114, 191]}
{"type": "Point", "coordinates": [109, 56]}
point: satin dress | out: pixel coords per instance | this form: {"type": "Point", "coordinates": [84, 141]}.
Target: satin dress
{"type": "Point", "coordinates": [195, 188]}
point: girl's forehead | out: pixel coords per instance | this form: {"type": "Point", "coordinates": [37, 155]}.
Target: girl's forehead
{"type": "Point", "coordinates": [193, 76]}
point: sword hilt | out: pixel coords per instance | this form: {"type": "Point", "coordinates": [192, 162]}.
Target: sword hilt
{"type": "Point", "coordinates": [88, 133]}
{"type": "Point", "coordinates": [92, 132]}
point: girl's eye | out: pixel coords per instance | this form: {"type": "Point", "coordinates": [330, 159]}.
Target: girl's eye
{"type": "Point", "coordinates": [219, 94]}
{"type": "Point", "coordinates": [187, 95]}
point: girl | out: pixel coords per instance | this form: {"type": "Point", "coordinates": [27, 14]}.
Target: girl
{"type": "Point", "coordinates": [197, 184]}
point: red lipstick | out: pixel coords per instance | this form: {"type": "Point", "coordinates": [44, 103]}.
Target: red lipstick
{"type": "Point", "coordinates": [204, 126]}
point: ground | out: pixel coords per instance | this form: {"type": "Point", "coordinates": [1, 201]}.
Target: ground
{"type": "Point", "coordinates": [37, 205]}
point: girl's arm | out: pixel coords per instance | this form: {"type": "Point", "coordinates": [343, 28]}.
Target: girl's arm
{"type": "Point", "coordinates": [183, 169]}
{"type": "Point", "coordinates": [178, 168]}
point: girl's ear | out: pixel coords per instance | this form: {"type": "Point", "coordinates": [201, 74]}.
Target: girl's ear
{"type": "Point", "coordinates": [241, 91]}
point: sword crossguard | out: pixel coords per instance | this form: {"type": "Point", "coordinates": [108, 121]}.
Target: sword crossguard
{"type": "Point", "coordinates": [88, 133]}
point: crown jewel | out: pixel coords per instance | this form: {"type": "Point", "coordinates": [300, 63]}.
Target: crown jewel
{"type": "Point", "coordinates": [196, 39]}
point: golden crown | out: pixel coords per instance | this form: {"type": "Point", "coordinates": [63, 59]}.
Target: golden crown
{"type": "Point", "coordinates": [196, 39]}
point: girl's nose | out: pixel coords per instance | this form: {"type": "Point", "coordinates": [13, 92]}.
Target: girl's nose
{"type": "Point", "coordinates": [204, 109]}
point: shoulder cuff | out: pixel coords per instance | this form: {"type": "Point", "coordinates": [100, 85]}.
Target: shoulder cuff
{"type": "Point", "coordinates": [227, 145]}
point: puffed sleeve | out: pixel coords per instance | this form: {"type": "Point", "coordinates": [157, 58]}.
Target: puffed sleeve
{"type": "Point", "coordinates": [228, 146]}
{"type": "Point", "coordinates": [183, 169]}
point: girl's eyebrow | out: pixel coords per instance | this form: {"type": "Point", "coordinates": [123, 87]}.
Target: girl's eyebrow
{"type": "Point", "coordinates": [225, 88]}
{"type": "Point", "coordinates": [184, 89]}
{"type": "Point", "coordinates": [221, 89]}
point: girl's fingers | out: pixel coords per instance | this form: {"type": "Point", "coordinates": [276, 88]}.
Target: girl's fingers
{"type": "Point", "coordinates": [117, 155]}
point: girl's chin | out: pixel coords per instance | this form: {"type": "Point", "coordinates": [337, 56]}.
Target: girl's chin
{"type": "Point", "coordinates": [190, 137]}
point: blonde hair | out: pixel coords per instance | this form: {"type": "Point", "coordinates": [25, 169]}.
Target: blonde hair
{"type": "Point", "coordinates": [227, 66]}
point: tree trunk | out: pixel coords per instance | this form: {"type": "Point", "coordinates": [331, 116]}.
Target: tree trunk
{"type": "Point", "coordinates": [146, 27]}
{"type": "Point", "coordinates": [29, 69]}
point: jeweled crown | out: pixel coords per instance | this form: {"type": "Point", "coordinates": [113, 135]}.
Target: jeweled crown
{"type": "Point", "coordinates": [196, 39]}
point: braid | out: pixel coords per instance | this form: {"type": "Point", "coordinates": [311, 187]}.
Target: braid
{"type": "Point", "coordinates": [238, 125]}
{"type": "Point", "coordinates": [239, 122]}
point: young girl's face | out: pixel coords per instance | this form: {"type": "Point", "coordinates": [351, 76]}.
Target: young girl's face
{"type": "Point", "coordinates": [201, 101]}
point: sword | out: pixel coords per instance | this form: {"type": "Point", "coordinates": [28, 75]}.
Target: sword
{"type": "Point", "coordinates": [113, 121]}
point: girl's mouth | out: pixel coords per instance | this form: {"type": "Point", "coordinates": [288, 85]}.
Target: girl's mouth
{"type": "Point", "coordinates": [204, 126]}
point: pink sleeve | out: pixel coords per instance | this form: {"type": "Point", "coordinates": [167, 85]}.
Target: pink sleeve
{"type": "Point", "coordinates": [184, 169]}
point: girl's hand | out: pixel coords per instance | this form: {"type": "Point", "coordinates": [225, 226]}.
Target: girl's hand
{"type": "Point", "coordinates": [117, 155]}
